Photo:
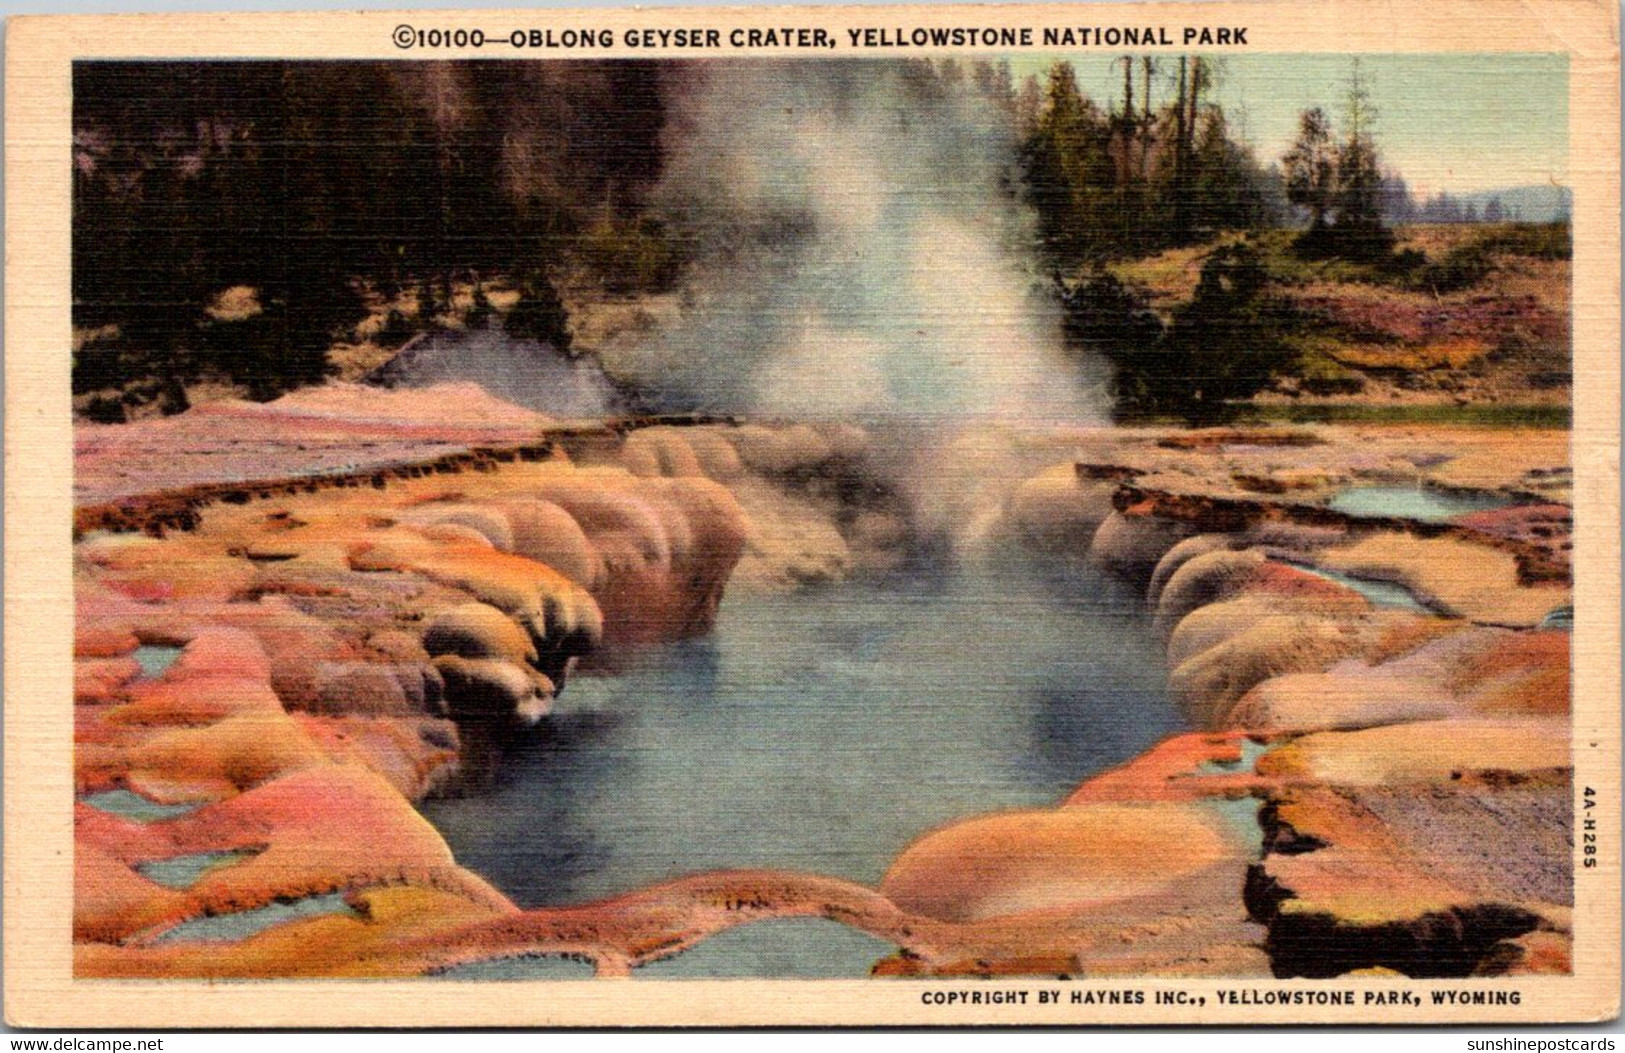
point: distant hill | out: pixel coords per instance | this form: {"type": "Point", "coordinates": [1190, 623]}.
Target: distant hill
{"type": "Point", "coordinates": [1536, 203]}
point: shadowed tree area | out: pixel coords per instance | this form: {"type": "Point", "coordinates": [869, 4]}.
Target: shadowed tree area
{"type": "Point", "coordinates": [306, 187]}
{"type": "Point", "coordinates": [1223, 345]}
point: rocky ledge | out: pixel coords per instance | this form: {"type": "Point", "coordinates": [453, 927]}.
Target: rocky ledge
{"type": "Point", "coordinates": [1399, 687]}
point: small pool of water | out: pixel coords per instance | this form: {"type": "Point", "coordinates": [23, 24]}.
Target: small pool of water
{"type": "Point", "coordinates": [224, 928]}
{"type": "Point", "coordinates": [155, 659]}
{"type": "Point", "coordinates": [1379, 593]}
{"type": "Point", "coordinates": [1561, 618]}
{"type": "Point", "coordinates": [519, 967]}
{"type": "Point", "coordinates": [186, 871]}
{"type": "Point", "coordinates": [822, 732]}
{"type": "Point", "coordinates": [784, 948]}
{"type": "Point", "coordinates": [1426, 504]}
{"type": "Point", "coordinates": [1247, 763]}
{"type": "Point", "coordinates": [128, 805]}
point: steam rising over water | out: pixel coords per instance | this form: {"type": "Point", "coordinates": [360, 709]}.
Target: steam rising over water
{"type": "Point", "coordinates": [528, 373]}
{"type": "Point", "coordinates": [859, 253]}
{"type": "Point", "coordinates": [859, 258]}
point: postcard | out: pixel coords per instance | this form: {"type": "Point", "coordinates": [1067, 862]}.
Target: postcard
{"type": "Point", "coordinates": [1022, 515]}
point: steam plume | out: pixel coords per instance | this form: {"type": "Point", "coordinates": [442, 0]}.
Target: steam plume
{"type": "Point", "coordinates": [860, 254]}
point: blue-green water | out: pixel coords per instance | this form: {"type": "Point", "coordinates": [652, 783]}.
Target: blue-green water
{"type": "Point", "coordinates": [1251, 750]}
{"type": "Point", "coordinates": [130, 805]}
{"type": "Point", "coordinates": [1426, 504]}
{"type": "Point", "coordinates": [519, 967]}
{"type": "Point", "coordinates": [1379, 593]}
{"type": "Point", "coordinates": [784, 948]}
{"type": "Point", "coordinates": [821, 731]}
{"type": "Point", "coordinates": [1561, 618]}
{"type": "Point", "coordinates": [154, 659]}
{"type": "Point", "coordinates": [224, 928]}
{"type": "Point", "coordinates": [186, 871]}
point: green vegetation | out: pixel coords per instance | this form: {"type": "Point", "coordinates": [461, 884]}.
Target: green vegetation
{"type": "Point", "coordinates": [1182, 273]}
{"type": "Point", "coordinates": [540, 315]}
{"type": "Point", "coordinates": [1318, 372]}
{"type": "Point", "coordinates": [629, 256]}
{"type": "Point", "coordinates": [1467, 261]}
{"type": "Point", "coordinates": [1477, 415]}
{"type": "Point", "coordinates": [1462, 267]}
{"type": "Point", "coordinates": [1541, 241]}
{"type": "Point", "coordinates": [1222, 346]}
{"type": "Point", "coordinates": [1465, 265]}
{"type": "Point", "coordinates": [1340, 184]}
{"type": "Point", "coordinates": [1287, 264]}
{"type": "Point", "coordinates": [1133, 178]}
{"type": "Point", "coordinates": [1332, 329]}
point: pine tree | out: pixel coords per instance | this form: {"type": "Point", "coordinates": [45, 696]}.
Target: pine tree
{"type": "Point", "coordinates": [1311, 167]}
{"type": "Point", "coordinates": [1069, 172]}
{"type": "Point", "coordinates": [1359, 178]}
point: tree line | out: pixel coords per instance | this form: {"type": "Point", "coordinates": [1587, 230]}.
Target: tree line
{"type": "Point", "coordinates": [1134, 175]}
{"type": "Point", "coordinates": [317, 183]}
{"type": "Point", "coordinates": [1444, 207]}
{"type": "Point", "coordinates": [326, 188]}
{"type": "Point", "coordinates": [1229, 340]}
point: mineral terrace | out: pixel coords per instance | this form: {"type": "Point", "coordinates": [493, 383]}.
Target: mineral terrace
{"type": "Point", "coordinates": [295, 620]}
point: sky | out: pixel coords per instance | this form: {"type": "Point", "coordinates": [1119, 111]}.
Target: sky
{"type": "Point", "coordinates": [1454, 122]}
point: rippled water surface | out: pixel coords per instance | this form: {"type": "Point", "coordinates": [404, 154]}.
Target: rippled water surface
{"type": "Point", "coordinates": [821, 732]}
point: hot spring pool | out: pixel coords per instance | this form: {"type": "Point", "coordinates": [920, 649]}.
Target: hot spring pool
{"type": "Point", "coordinates": [1426, 504]}
{"type": "Point", "coordinates": [821, 731]}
